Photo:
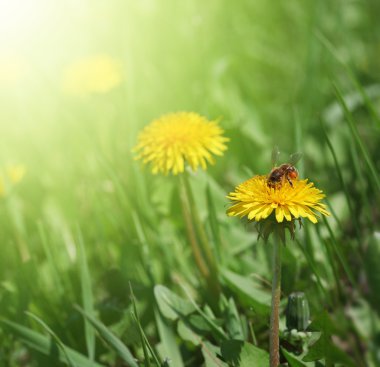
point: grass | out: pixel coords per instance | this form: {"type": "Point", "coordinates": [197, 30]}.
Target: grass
{"type": "Point", "coordinates": [96, 266]}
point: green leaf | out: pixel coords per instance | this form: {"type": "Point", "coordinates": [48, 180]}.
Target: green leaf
{"type": "Point", "coordinates": [113, 341]}
{"type": "Point", "coordinates": [232, 320]}
{"type": "Point", "coordinates": [248, 291]}
{"type": "Point", "coordinates": [293, 360]}
{"type": "Point", "coordinates": [242, 354]}
{"type": "Point", "coordinates": [171, 305]}
{"type": "Point", "coordinates": [45, 345]}
{"type": "Point", "coordinates": [209, 353]}
{"type": "Point", "coordinates": [324, 348]}
{"type": "Point", "coordinates": [187, 334]}
{"type": "Point", "coordinates": [168, 340]}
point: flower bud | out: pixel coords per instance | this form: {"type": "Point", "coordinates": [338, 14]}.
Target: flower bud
{"type": "Point", "coordinates": [297, 312]}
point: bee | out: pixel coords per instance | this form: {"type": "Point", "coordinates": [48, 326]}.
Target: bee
{"type": "Point", "coordinates": [286, 171]}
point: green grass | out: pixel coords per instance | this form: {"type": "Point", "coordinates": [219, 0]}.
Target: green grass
{"type": "Point", "coordinates": [88, 225]}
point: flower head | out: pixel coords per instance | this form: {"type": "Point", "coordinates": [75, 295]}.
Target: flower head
{"type": "Point", "coordinates": [256, 200]}
{"type": "Point", "coordinates": [172, 140]}
{"type": "Point", "coordinates": [96, 74]}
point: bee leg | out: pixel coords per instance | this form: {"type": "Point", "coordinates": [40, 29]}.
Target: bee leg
{"type": "Point", "coordinates": [289, 180]}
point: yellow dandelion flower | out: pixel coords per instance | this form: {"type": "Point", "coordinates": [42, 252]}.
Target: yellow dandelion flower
{"type": "Point", "coordinates": [256, 200]}
{"type": "Point", "coordinates": [96, 74]}
{"type": "Point", "coordinates": [173, 140]}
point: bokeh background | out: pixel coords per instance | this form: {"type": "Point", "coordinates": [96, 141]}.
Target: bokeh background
{"type": "Point", "coordinates": [79, 80]}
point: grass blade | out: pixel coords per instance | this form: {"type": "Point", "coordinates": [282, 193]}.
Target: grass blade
{"type": "Point", "coordinates": [340, 255]}
{"type": "Point", "coordinates": [214, 223]}
{"type": "Point", "coordinates": [357, 138]}
{"type": "Point", "coordinates": [87, 296]}
{"type": "Point", "coordinates": [54, 336]}
{"type": "Point", "coordinates": [50, 259]}
{"type": "Point", "coordinates": [144, 341]}
{"type": "Point", "coordinates": [113, 341]}
{"type": "Point", "coordinates": [315, 271]}
{"type": "Point", "coordinates": [329, 46]}
{"type": "Point", "coordinates": [43, 344]}
{"type": "Point", "coordinates": [342, 182]}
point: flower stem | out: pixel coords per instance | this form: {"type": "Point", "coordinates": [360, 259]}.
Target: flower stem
{"type": "Point", "coordinates": [207, 253]}
{"type": "Point", "coordinates": [202, 267]}
{"type": "Point", "coordinates": [274, 340]}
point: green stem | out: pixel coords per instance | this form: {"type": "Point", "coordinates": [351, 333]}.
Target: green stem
{"type": "Point", "coordinates": [202, 267]}
{"type": "Point", "coordinates": [204, 244]}
{"type": "Point", "coordinates": [274, 340]}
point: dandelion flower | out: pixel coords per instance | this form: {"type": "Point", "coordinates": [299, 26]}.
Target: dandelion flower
{"type": "Point", "coordinates": [96, 74]}
{"type": "Point", "coordinates": [256, 200]}
{"type": "Point", "coordinates": [173, 140]}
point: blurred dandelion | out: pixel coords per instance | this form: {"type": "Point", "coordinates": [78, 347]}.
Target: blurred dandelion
{"type": "Point", "coordinates": [96, 74]}
{"type": "Point", "coordinates": [15, 173]}
{"type": "Point", "coordinates": [10, 177]}
{"type": "Point", "coordinates": [173, 140]}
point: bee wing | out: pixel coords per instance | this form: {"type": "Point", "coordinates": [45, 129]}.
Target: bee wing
{"type": "Point", "coordinates": [295, 157]}
{"type": "Point", "coordinates": [275, 155]}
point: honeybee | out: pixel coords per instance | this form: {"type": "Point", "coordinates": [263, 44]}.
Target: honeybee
{"type": "Point", "coordinates": [286, 171]}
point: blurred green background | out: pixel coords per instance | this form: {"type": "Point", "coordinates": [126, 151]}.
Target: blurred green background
{"type": "Point", "coordinates": [78, 80]}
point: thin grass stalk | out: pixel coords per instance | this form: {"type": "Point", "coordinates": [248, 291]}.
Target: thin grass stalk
{"type": "Point", "coordinates": [330, 47]}
{"type": "Point", "coordinates": [342, 183]}
{"type": "Point", "coordinates": [274, 338]}
{"type": "Point", "coordinates": [356, 137]}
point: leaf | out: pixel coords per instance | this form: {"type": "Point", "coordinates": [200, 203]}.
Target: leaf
{"type": "Point", "coordinates": [324, 348]}
{"type": "Point", "coordinates": [248, 291]}
{"type": "Point", "coordinates": [293, 360]}
{"type": "Point", "coordinates": [232, 320]}
{"type": "Point", "coordinates": [168, 340]}
{"type": "Point", "coordinates": [242, 354]}
{"type": "Point", "coordinates": [113, 341]}
{"type": "Point", "coordinates": [171, 305]}
{"type": "Point", "coordinates": [209, 353]}
{"type": "Point", "coordinates": [187, 334]}
{"type": "Point", "coordinates": [45, 345]}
